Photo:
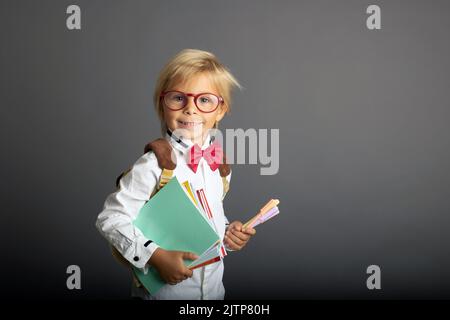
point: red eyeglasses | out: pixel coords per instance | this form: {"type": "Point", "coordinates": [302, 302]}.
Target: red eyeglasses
{"type": "Point", "coordinates": [205, 102]}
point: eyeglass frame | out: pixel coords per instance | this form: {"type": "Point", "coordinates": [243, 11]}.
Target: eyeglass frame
{"type": "Point", "coordinates": [195, 96]}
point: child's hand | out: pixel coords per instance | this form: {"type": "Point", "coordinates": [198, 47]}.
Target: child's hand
{"type": "Point", "coordinates": [236, 237]}
{"type": "Point", "coordinates": [170, 265]}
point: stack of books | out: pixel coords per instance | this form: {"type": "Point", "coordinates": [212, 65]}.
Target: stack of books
{"type": "Point", "coordinates": [179, 218]}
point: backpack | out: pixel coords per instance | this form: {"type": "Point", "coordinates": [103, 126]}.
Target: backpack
{"type": "Point", "coordinates": [163, 151]}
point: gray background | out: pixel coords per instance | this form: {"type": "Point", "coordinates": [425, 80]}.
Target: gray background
{"type": "Point", "coordinates": [363, 117]}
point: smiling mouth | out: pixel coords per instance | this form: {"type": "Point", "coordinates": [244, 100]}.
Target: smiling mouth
{"type": "Point", "coordinates": [189, 124]}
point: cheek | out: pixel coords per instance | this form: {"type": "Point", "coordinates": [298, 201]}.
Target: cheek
{"type": "Point", "coordinates": [169, 116]}
{"type": "Point", "coordinates": [211, 119]}
{"type": "Point", "coordinates": [169, 120]}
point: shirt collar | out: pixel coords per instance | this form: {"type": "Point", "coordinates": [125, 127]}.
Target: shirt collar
{"type": "Point", "coordinates": [183, 144]}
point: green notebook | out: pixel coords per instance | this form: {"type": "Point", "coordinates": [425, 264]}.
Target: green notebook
{"type": "Point", "coordinates": [172, 221]}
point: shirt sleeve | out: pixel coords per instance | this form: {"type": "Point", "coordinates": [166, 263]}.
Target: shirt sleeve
{"type": "Point", "coordinates": [121, 208]}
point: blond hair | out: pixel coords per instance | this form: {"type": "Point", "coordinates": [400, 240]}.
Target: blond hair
{"type": "Point", "coordinates": [190, 62]}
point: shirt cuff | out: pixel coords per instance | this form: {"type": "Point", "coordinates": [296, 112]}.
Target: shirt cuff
{"type": "Point", "coordinates": [228, 249]}
{"type": "Point", "coordinates": [143, 250]}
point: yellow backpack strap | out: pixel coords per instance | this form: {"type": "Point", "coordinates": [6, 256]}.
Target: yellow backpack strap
{"type": "Point", "coordinates": [224, 169]}
{"type": "Point", "coordinates": [226, 186]}
{"type": "Point", "coordinates": [166, 175]}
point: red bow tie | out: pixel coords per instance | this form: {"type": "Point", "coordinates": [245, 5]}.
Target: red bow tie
{"type": "Point", "coordinates": [213, 156]}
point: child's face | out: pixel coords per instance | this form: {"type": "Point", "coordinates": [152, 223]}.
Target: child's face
{"type": "Point", "coordinates": [195, 124]}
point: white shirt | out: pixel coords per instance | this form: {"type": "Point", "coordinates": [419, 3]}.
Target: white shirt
{"type": "Point", "coordinates": [121, 208]}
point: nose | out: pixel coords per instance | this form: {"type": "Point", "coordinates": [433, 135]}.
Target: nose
{"type": "Point", "coordinates": [190, 107]}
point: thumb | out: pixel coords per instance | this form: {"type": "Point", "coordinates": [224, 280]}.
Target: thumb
{"type": "Point", "coordinates": [189, 256]}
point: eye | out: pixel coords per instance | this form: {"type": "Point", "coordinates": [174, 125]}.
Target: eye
{"type": "Point", "coordinates": [176, 97]}
{"type": "Point", "coordinates": [204, 100]}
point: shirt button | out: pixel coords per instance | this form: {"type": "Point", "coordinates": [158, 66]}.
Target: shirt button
{"type": "Point", "coordinates": [136, 258]}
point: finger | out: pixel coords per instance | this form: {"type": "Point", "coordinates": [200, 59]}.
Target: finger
{"type": "Point", "coordinates": [189, 256]}
{"type": "Point", "coordinates": [188, 273]}
{"type": "Point", "coordinates": [235, 239]}
{"type": "Point", "coordinates": [242, 236]}
{"type": "Point", "coordinates": [231, 245]}
{"type": "Point", "coordinates": [181, 278]}
{"type": "Point", "coordinates": [249, 231]}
